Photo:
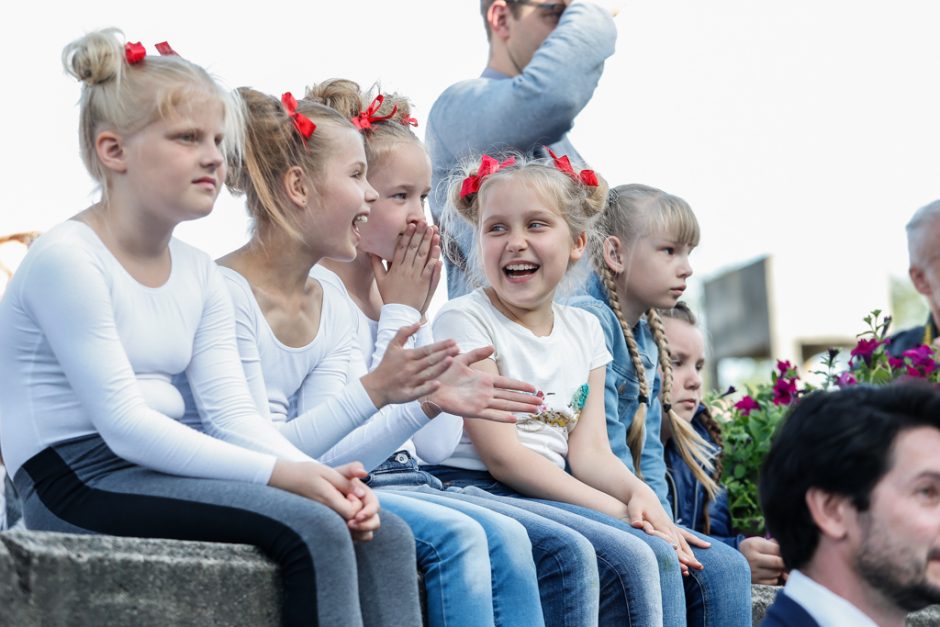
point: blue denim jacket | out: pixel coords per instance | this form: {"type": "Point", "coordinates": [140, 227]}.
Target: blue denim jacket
{"type": "Point", "coordinates": [622, 389]}
{"type": "Point", "coordinates": [687, 495]}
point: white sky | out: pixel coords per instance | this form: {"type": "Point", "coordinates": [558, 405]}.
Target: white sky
{"type": "Point", "coordinates": [805, 129]}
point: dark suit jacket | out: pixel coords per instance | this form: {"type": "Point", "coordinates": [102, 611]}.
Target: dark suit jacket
{"type": "Point", "coordinates": [785, 612]}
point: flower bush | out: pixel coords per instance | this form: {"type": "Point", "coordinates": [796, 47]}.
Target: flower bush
{"type": "Point", "coordinates": [749, 422]}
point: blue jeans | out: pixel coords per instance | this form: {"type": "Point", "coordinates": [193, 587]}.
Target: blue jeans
{"type": "Point", "coordinates": [628, 592]}
{"type": "Point", "coordinates": [564, 561]}
{"type": "Point", "coordinates": [716, 596]}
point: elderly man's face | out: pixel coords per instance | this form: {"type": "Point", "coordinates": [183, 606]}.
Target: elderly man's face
{"type": "Point", "coordinates": [925, 268]}
{"type": "Point", "coordinates": [898, 538]}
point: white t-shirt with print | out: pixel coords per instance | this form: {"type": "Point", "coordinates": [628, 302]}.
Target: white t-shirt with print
{"type": "Point", "coordinates": [558, 365]}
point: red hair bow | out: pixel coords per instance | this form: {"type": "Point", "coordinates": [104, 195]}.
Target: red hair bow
{"type": "Point", "coordinates": [488, 165]}
{"type": "Point", "coordinates": [408, 121]}
{"type": "Point", "coordinates": [165, 50]}
{"type": "Point", "coordinates": [563, 163]}
{"type": "Point", "coordinates": [366, 118]}
{"type": "Point", "coordinates": [134, 52]}
{"type": "Point", "coordinates": [302, 123]}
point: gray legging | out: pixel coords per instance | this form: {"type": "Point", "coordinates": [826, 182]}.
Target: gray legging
{"type": "Point", "coordinates": [83, 487]}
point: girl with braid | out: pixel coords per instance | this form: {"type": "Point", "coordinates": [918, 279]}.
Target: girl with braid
{"type": "Point", "coordinates": [532, 220]}
{"type": "Point", "coordinates": [640, 255]}
{"type": "Point", "coordinates": [692, 505]}
{"type": "Point", "coordinates": [640, 251]}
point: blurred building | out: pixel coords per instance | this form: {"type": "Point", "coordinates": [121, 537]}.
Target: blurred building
{"type": "Point", "coordinates": [789, 307]}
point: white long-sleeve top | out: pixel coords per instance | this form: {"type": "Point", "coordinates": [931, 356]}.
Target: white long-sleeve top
{"type": "Point", "coordinates": [85, 349]}
{"type": "Point", "coordinates": [394, 426]}
{"type": "Point", "coordinates": [305, 391]}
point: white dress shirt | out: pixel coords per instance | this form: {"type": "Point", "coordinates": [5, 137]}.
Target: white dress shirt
{"type": "Point", "coordinates": [825, 606]}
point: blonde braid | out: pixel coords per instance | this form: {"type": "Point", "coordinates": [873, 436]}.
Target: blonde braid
{"type": "Point", "coordinates": [695, 451]}
{"type": "Point", "coordinates": [636, 433]}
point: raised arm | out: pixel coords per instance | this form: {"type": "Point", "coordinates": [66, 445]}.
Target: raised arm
{"type": "Point", "coordinates": [536, 107]}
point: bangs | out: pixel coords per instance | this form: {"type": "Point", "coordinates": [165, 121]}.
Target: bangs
{"type": "Point", "coordinates": [189, 93]}
{"type": "Point", "coordinates": [673, 218]}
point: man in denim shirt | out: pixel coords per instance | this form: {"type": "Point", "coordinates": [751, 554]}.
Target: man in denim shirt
{"type": "Point", "coordinates": [544, 63]}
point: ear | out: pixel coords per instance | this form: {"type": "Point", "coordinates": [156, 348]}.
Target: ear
{"type": "Point", "coordinates": [832, 513]}
{"type": "Point", "coordinates": [578, 246]}
{"type": "Point", "coordinates": [613, 254]}
{"type": "Point", "coordinates": [919, 280]}
{"type": "Point", "coordinates": [110, 149]}
{"type": "Point", "coordinates": [297, 185]}
{"type": "Point", "coordinates": [497, 16]}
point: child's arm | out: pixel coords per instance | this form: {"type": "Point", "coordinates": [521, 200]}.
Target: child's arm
{"type": "Point", "coordinates": [593, 462]}
{"type": "Point", "coordinates": [529, 473]}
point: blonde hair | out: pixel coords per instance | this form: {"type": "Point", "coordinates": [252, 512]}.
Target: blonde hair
{"type": "Point", "coordinates": [634, 212]}
{"type": "Point", "coordinates": [124, 98]}
{"type": "Point", "coordinates": [272, 146]}
{"type": "Point", "coordinates": [351, 101]}
{"type": "Point", "coordinates": [577, 203]}
{"type": "Point", "coordinates": [682, 312]}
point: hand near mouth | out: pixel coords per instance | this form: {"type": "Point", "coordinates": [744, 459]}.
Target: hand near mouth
{"type": "Point", "coordinates": [415, 269]}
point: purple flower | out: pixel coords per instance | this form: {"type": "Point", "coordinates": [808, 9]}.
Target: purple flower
{"type": "Point", "coordinates": [865, 349]}
{"type": "Point", "coordinates": [896, 363]}
{"type": "Point", "coordinates": [746, 405]}
{"type": "Point", "coordinates": [846, 379]}
{"type": "Point", "coordinates": [783, 367]}
{"type": "Point", "coordinates": [784, 391]}
{"type": "Point", "coordinates": [922, 361]}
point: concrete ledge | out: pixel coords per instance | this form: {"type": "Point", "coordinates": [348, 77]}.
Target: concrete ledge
{"type": "Point", "coordinates": [60, 579]}
{"type": "Point", "coordinates": [49, 579]}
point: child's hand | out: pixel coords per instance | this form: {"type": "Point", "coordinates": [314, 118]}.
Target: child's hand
{"type": "Point", "coordinates": [414, 271]}
{"type": "Point", "coordinates": [406, 374]}
{"type": "Point", "coordinates": [472, 393]}
{"type": "Point", "coordinates": [646, 512]}
{"type": "Point", "coordinates": [763, 556]}
{"type": "Point", "coordinates": [319, 483]}
{"type": "Point", "coordinates": [364, 524]}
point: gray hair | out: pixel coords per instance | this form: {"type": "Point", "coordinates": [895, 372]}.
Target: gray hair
{"type": "Point", "coordinates": [921, 221]}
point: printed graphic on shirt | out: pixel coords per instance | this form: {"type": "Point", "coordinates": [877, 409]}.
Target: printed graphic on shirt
{"type": "Point", "coordinates": [554, 415]}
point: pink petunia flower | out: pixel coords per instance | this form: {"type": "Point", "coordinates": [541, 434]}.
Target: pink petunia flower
{"type": "Point", "coordinates": [846, 379]}
{"type": "Point", "coordinates": [865, 349]}
{"type": "Point", "coordinates": [746, 405]}
{"type": "Point", "coordinates": [784, 391]}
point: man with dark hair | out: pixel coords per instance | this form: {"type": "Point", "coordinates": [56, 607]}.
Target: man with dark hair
{"type": "Point", "coordinates": [545, 59]}
{"type": "Point", "coordinates": [851, 491]}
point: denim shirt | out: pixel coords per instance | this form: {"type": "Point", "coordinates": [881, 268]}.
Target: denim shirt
{"type": "Point", "coordinates": [495, 112]}
{"type": "Point", "coordinates": [687, 494]}
{"type": "Point", "coordinates": [622, 389]}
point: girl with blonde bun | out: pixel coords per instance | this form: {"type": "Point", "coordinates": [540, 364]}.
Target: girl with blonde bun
{"type": "Point", "coordinates": [108, 308]}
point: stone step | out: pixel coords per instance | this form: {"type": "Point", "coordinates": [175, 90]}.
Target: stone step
{"type": "Point", "coordinates": [52, 579]}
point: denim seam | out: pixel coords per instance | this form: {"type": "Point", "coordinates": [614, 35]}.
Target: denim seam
{"type": "Point", "coordinates": [443, 597]}
{"type": "Point", "coordinates": [623, 587]}
{"type": "Point", "coordinates": [560, 569]}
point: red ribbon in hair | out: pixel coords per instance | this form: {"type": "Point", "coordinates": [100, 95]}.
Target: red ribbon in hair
{"type": "Point", "coordinates": [134, 52]}
{"type": "Point", "coordinates": [366, 118]}
{"type": "Point", "coordinates": [165, 50]}
{"type": "Point", "coordinates": [563, 163]}
{"type": "Point", "coordinates": [408, 121]}
{"type": "Point", "coordinates": [488, 165]}
{"type": "Point", "coordinates": [302, 123]}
